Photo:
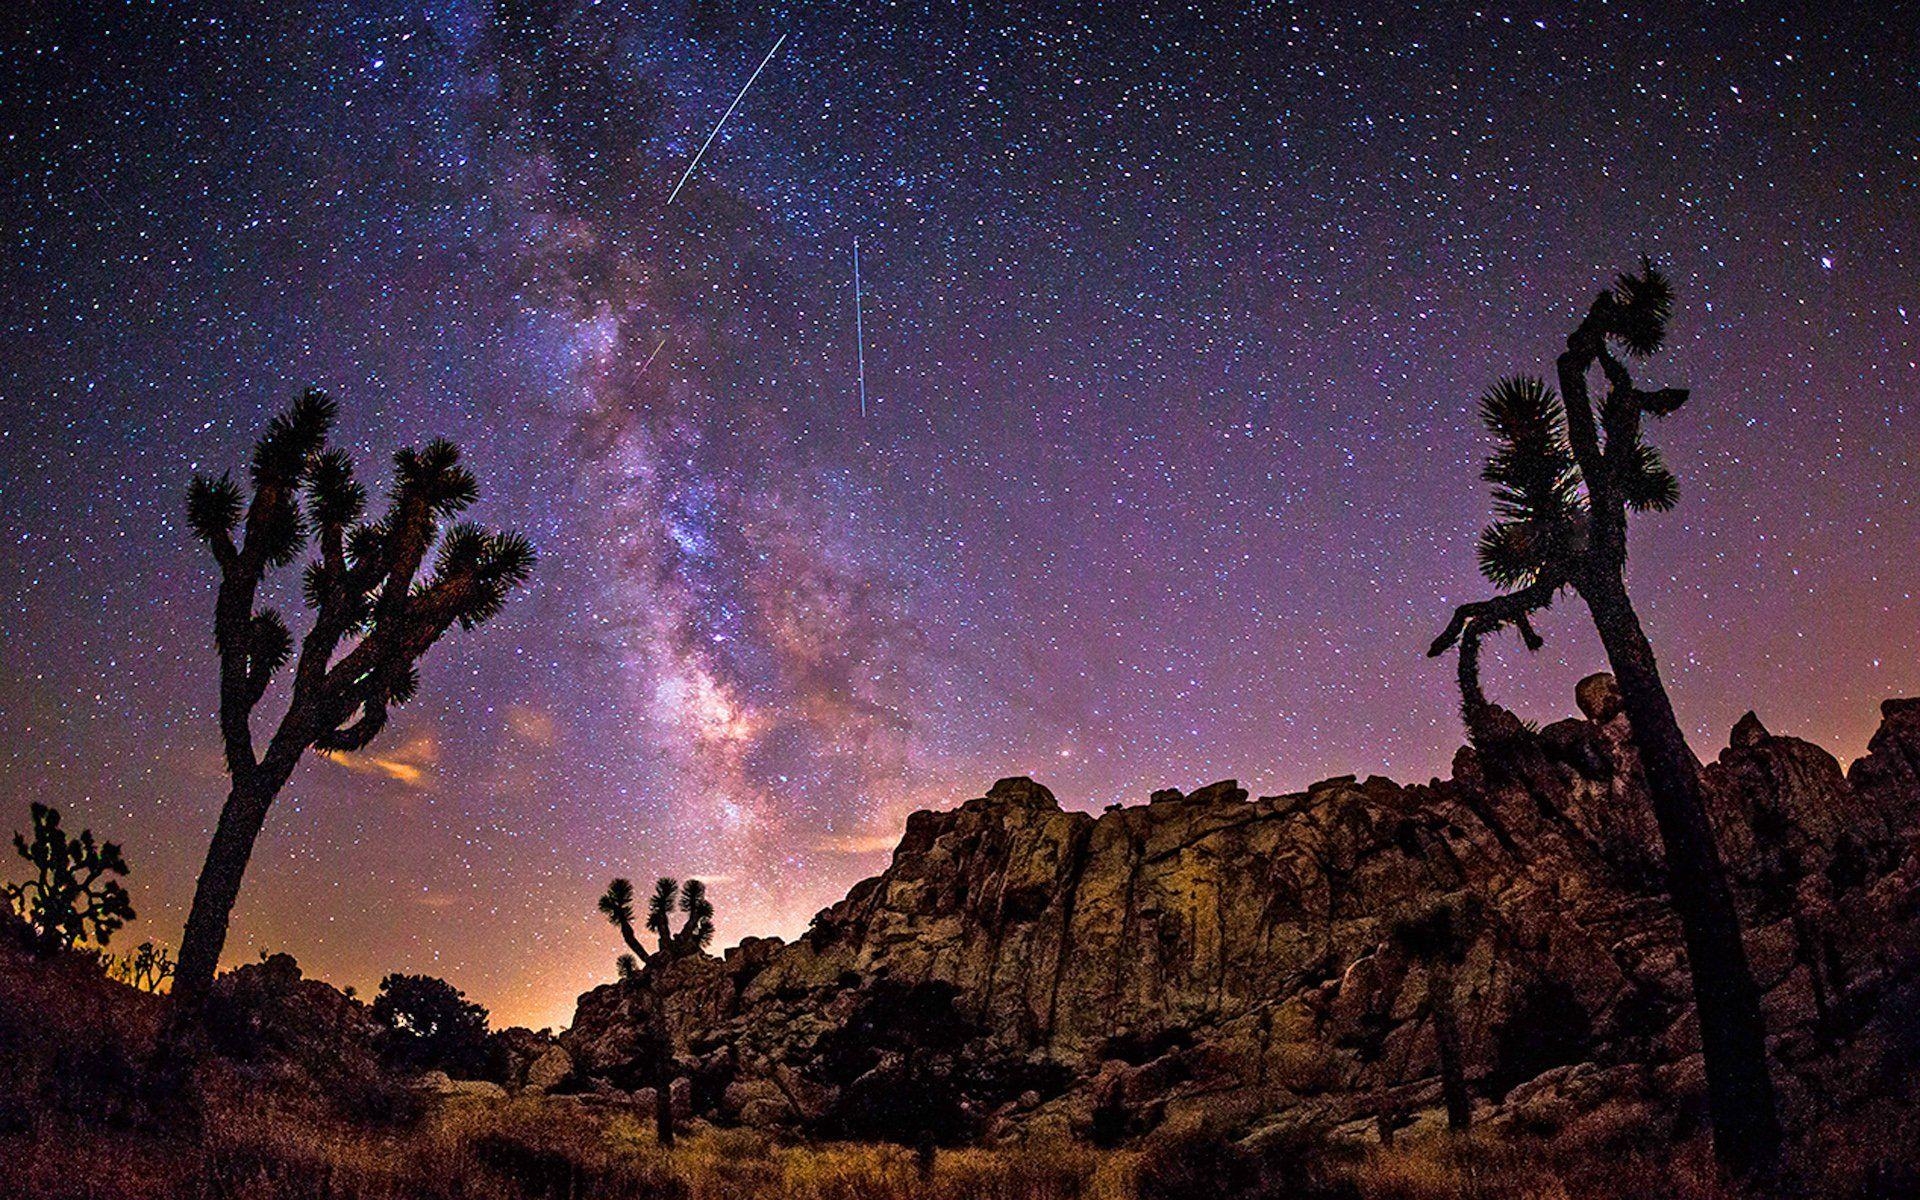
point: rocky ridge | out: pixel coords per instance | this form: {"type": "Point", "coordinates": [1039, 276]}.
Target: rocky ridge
{"type": "Point", "coordinates": [1210, 955]}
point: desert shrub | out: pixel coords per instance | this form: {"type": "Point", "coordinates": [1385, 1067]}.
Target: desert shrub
{"type": "Point", "coordinates": [896, 1065]}
{"type": "Point", "coordinates": [431, 1025]}
{"type": "Point", "coordinates": [1298, 1164]}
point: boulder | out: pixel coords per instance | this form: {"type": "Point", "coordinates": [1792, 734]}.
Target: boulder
{"type": "Point", "coordinates": [547, 1071]}
{"type": "Point", "coordinates": [1598, 697]}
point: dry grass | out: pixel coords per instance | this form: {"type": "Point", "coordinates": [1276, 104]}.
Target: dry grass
{"type": "Point", "coordinates": [528, 1149]}
{"type": "Point", "coordinates": [73, 1126]}
{"type": "Point", "coordinates": [554, 1149]}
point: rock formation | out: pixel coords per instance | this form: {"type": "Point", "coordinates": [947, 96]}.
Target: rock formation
{"type": "Point", "coordinates": [1219, 956]}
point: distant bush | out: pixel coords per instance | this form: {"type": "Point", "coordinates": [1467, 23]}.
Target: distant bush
{"type": "Point", "coordinates": [147, 966]}
{"type": "Point", "coordinates": [431, 1025]}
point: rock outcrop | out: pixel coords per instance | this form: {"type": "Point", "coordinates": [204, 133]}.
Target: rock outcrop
{"type": "Point", "coordinates": [1210, 953]}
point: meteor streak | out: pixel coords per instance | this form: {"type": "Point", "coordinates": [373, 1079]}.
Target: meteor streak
{"type": "Point", "coordinates": [859, 330]}
{"type": "Point", "coordinates": [688, 174]}
{"type": "Point", "coordinates": [658, 347]}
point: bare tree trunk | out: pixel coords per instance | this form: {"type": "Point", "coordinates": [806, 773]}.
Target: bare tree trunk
{"type": "Point", "coordinates": [1446, 1036]}
{"type": "Point", "coordinates": [213, 898]}
{"type": "Point", "coordinates": [1746, 1127]}
{"type": "Point", "coordinates": [663, 1107]}
{"type": "Point", "coordinates": [663, 1073]}
{"type": "Point", "coordinates": [924, 1153]}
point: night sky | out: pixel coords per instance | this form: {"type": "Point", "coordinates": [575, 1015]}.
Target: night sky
{"type": "Point", "coordinates": [1174, 319]}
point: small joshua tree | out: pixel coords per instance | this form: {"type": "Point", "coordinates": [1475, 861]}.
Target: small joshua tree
{"type": "Point", "coordinates": [694, 935]}
{"type": "Point", "coordinates": [373, 620]}
{"type": "Point", "coordinates": [642, 968]}
{"type": "Point", "coordinates": [147, 966]}
{"type": "Point", "coordinates": [1439, 939]}
{"type": "Point", "coordinates": [1566, 475]}
{"type": "Point", "coordinates": [72, 896]}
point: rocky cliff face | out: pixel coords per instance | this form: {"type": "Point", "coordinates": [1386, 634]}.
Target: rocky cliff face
{"type": "Point", "coordinates": [1221, 954]}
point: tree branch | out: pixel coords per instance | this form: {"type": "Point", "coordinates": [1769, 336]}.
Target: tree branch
{"type": "Point", "coordinates": [633, 943]}
{"type": "Point", "coordinates": [1513, 607]}
{"type": "Point", "coordinates": [348, 738]}
{"type": "Point", "coordinates": [1584, 344]}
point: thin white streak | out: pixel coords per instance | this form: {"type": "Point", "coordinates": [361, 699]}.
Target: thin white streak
{"type": "Point", "coordinates": [664, 339]}
{"type": "Point", "coordinates": [723, 118]}
{"type": "Point", "coordinates": [859, 330]}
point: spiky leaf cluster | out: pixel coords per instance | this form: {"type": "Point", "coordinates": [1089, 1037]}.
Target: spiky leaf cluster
{"type": "Point", "coordinates": [1646, 483]}
{"type": "Point", "coordinates": [1644, 305]}
{"type": "Point", "coordinates": [617, 902]}
{"type": "Point", "coordinates": [669, 896]}
{"type": "Point", "coordinates": [696, 933]}
{"type": "Point", "coordinates": [660, 908]}
{"type": "Point", "coordinates": [1537, 502]}
{"type": "Point", "coordinates": [72, 896]}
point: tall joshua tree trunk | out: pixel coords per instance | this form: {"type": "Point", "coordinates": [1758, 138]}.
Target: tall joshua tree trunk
{"type": "Point", "coordinates": [1446, 1037]}
{"type": "Point", "coordinates": [1439, 939]}
{"type": "Point", "coordinates": [213, 897]}
{"type": "Point", "coordinates": [1732, 1034]}
{"type": "Point", "coordinates": [663, 1071]}
{"type": "Point", "coordinates": [1567, 473]}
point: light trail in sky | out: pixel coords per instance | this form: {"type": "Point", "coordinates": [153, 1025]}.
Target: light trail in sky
{"type": "Point", "coordinates": [688, 174]}
{"type": "Point", "coordinates": [859, 329]}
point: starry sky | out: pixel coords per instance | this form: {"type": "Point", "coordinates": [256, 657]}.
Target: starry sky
{"type": "Point", "coordinates": [1173, 315]}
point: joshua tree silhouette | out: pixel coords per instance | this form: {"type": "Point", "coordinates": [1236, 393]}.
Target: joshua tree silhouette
{"type": "Point", "coordinates": [71, 897]}
{"type": "Point", "coordinates": [1564, 480]}
{"type": "Point", "coordinates": [148, 967]}
{"type": "Point", "coordinates": [362, 587]}
{"type": "Point", "coordinates": [1439, 938]}
{"type": "Point", "coordinates": [642, 969]}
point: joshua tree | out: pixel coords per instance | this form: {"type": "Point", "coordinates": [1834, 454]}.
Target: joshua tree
{"type": "Point", "coordinates": [642, 968]}
{"type": "Point", "coordinates": [1565, 474]}
{"type": "Point", "coordinates": [373, 619]}
{"type": "Point", "coordinates": [70, 897]}
{"type": "Point", "coordinates": [1439, 939]}
{"type": "Point", "coordinates": [147, 966]}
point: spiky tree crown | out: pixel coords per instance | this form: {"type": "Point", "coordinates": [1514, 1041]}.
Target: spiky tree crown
{"type": "Point", "coordinates": [1540, 495]}
{"type": "Point", "coordinates": [696, 928]}
{"type": "Point", "coordinates": [373, 616]}
{"type": "Point", "coordinates": [660, 908]}
{"type": "Point", "coordinates": [1564, 476]}
{"type": "Point", "coordinates": [617, 902]}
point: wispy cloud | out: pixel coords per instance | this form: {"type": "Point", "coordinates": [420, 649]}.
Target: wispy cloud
{"type": "Point", "coordinates": [410, 763]}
